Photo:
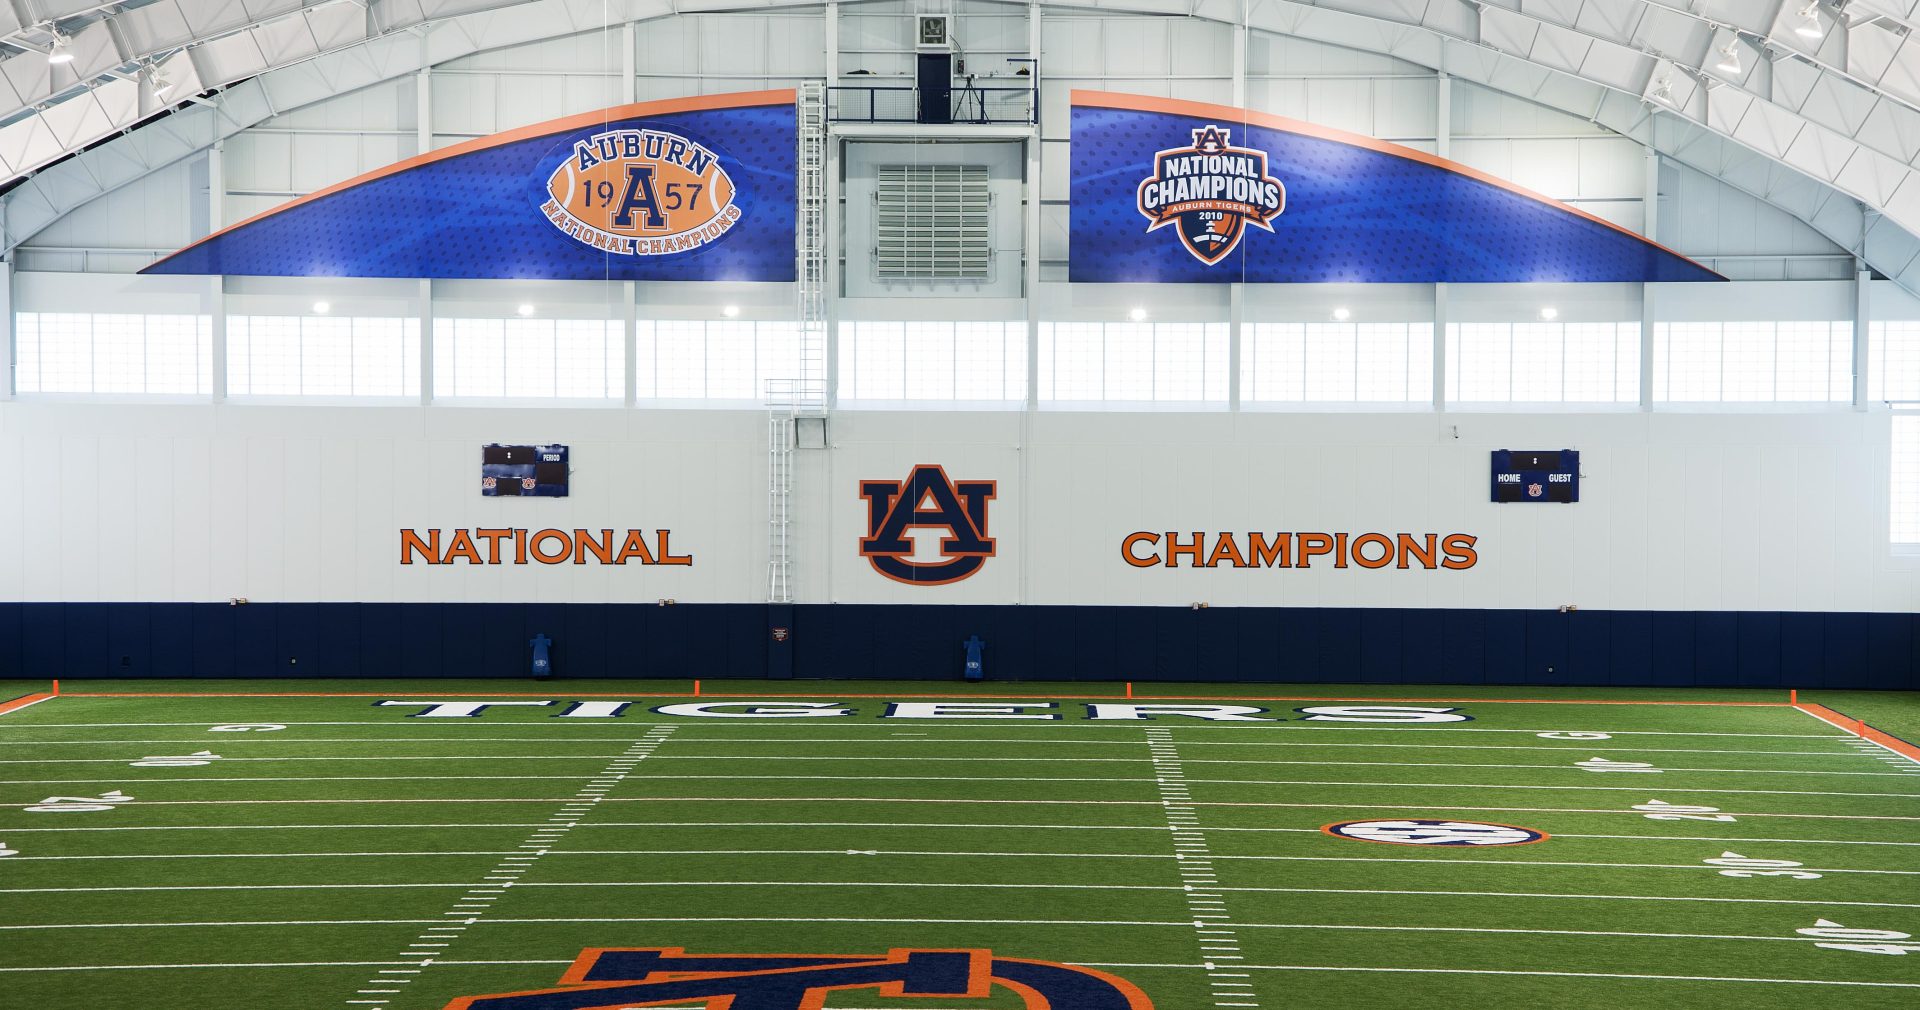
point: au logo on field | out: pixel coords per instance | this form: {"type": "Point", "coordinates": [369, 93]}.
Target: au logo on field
{"type": "Point", "coordinates": [1431, 832]}
{"type": "Point", "coordinates": [927, 499]}
{"type": "Point", "coordinates": [1211, 191]}
{"type": "Point", "coordinates": [602, 979]}
{"type": "Point", "coordinates": [641, 192]}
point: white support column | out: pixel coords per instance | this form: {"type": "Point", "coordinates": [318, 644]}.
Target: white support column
{"type": "Point", "coordinates": [1236, 324]}
{"type": "Point", "coordinates": [217, 285]}
{"type": "Point", "coordinates": [830, 367]}
{"type": "Point", "coordinates": [424, 294]}
{"type": "Point", "coordinates": [423, 109]}
{"type": "Point", "coordinates": [1030, 224]}
{"type": "Point", "coordinates": [1442, 146]}
{"type": "Point", "coordinates": [1240, 59]}
{"type": "Point", "coordinates": [832, 33]}
{"type": "Point", "coordinates": [7, 384]}
{"type": "Point", "coordinates": [423, 142]}
{"type": "Point", "coordinates": [1650, 212]}
{"type": "Point", "coordinates": [1862, 320]}
{"type": "Point", "coordinates": [630, 337]}
{"type": "Point", "coordinates": [629, 85]}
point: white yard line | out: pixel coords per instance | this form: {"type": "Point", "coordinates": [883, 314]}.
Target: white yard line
{"type": "Point", "coordinates": [1212, 923]}
{"type": "Point", "coordinates": [480, 898]}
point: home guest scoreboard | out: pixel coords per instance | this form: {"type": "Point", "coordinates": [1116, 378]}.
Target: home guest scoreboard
{"type": "Point", "coordinates": [532, 471]}
{"type": "Point", "coordinates": [1536, 475]}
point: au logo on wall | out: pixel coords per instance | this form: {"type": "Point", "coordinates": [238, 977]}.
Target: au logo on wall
{"type": "Point", "coordinates": [686, 189]}
{"type": "Point", "coordinates": [927, 500]}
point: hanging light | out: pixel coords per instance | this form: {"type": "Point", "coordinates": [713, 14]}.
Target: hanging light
{"type": "Point", "coordinates": [1663, 90]}
{"type": "Point", "coordinates": [1138, 314]}
{"type": "Point", "coordinates": [1730, 57]}
{"type": "Point", "coordinates": [1341, 314]}
{"type": "Point", "coordinates": [61, 51]}
{"type": "Point", "coordinates": [1810, 21]}
{"type": "Point", "coordinates": [157, 82]}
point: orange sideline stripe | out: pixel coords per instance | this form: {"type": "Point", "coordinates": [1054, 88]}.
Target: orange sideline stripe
{"type": "Point", "coordinates": [665, 106]}
{"type": "Point", "coordinates": [950, 696]}
{"type": "Point", "coordinates": [1861, 729]}
{"type": "Point", "coordinates": [1208, 110]}
{"type": "Point", "coordinates": [23, 701]}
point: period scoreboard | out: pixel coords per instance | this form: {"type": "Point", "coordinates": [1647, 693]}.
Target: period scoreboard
{"type": "Point", "coordinates": [1536, 476]}
{"type": "Point", "coordinates": [532, 471]}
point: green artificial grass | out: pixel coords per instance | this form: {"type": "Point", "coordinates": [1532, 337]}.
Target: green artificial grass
{"type": "Point", "coordinates": [325, 864]}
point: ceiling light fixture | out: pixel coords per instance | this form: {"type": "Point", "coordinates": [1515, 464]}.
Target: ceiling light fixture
{"type": "Point", "coordinates": [525, 309]}
{"type": "Point", "coordinates": [61, 51]}
{"type": "Point", "coordinates": [1663, 90]}
{"type": "Point", "coordinates": [321, 308]}
{"type": "Point", "coordinates": [1341, 315]}
{"type": "Point", "coordinates": [731, 312]}
{"type": "Point", "coordinates": [1137, 314]}
{"type": "Point", "coordinates": [1810, 21]}
{"type": "Point", "coordinates": [157, 82]}
{"type": "Point", "coordinates": [1730, 57]}
{"type": "Point", "coordinates": [1549, 313]}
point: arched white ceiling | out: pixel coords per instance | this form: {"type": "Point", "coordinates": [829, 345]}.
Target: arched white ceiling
{"type": "Point", "coordinates": [1825, 126]}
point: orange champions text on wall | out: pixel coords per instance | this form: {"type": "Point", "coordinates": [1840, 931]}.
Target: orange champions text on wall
{"type": "Point", "coordinates": [546, 547]}
{"type": "Point", "coordinates": [1299, 550]}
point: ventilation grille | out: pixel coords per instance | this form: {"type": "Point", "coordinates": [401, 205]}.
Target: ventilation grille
{"type": "Point", "coordinates": [930, 223]}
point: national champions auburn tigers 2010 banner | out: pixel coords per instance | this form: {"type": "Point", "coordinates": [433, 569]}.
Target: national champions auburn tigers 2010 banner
{"type": "Point", "coordinates": [1187, 192]}
{"type": "Point", "coordinates": [685, 189]}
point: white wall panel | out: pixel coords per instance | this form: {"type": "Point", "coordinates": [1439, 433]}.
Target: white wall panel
{"type": "Point", "coordinates": [1679, 511]}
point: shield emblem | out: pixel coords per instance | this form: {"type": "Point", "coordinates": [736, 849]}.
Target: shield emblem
{"type": "Point", "coordinates": [780, 634]}
{"type": "Point", "coordinates": [1533, 490]}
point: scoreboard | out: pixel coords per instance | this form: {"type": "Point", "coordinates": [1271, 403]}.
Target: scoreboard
{"type": "Point", "coordinates": [533, 471]}
{"type": "Point", "coordinates": [1536, 476]}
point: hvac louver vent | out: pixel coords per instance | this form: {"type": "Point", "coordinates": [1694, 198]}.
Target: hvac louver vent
{"type": "Point", "coordinates": [931, 223]}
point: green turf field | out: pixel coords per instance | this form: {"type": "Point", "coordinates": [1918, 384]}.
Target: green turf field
{"type": "Point", "coordinates": [374, 857]}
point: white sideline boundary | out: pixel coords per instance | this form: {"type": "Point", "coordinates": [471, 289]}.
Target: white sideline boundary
{"type": "Point", "coordinates": [920, 853]}
{"type": "Point", "coordinates": [1021, 802]}
{"type": "Point", "coordinates": [1547, 974]}
{"type": "Point", "coordinates": [592, 884]}
{"type": "Point", "coordinates": [1170, 924]}
{"type": "Point", "coordinates": [909, 825]}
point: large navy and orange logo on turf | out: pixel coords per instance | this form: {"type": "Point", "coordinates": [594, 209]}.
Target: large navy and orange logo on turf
{"type": "Point", "coordinates": [927, 499]}
{"type": "Point", "coordinates": [640, 192]}
{"type": "Point", "coordinates": [1211, 190]}
{"type": "Point", "coordinates": [1411, 831]}
{"type": "Point", "coordinates": [607, 978]}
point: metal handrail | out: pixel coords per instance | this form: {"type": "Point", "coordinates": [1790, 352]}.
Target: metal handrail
{"type": "Point", "coordinates": [968, 105]}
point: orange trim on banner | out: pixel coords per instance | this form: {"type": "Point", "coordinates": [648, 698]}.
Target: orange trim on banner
{"type": "Point", "coordinates": [1208, 110]}
{"type": "Point", "coordinates": [22, 702]}
{"type": "Point", "coordinates": [1860, 729]}
{"type": "Point", "coordinates": [662, 107]}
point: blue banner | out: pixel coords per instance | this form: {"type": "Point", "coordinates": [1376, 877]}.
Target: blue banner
{"type": "Point", "coordinates": [686, 189]}
{"type": "Point", "coordinates": [1184, 192]}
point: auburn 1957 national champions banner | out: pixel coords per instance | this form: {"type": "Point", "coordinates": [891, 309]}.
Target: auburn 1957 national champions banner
{"type": "Point", "coordinates": [687, 189]}
{"type": "Point", "coordinates": [1187, 192]}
